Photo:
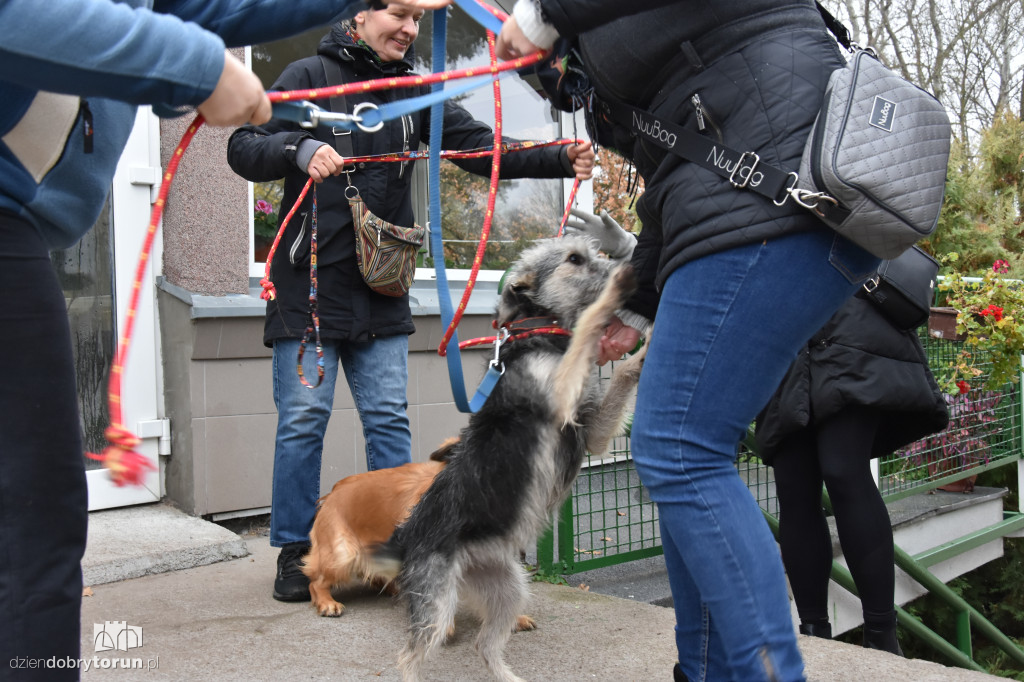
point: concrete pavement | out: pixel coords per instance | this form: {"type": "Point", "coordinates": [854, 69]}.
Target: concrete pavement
{"type": "Point", "coordinates": [218, 622]}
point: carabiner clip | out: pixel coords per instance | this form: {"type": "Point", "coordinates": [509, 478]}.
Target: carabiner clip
{"type": "Point", "coordinates": [501, 338]}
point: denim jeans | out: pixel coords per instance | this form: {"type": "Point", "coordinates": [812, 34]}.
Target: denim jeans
{"type": "Point", "coordinates": [378, 374]}
{"type": "Point", "coordinates": [727, 328]}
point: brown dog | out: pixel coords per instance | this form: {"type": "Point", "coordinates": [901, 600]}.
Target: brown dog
{"type": "Point", "coordinates": [361, 511]}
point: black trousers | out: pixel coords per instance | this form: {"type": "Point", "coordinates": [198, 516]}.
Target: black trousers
{"type": "Point", "coordinates": [43, 496]}
{"type": "Point", "coordinates": [836, 452]}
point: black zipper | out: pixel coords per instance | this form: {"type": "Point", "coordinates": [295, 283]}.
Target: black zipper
{"type": "Point", "coordinates": [816, 142]}
{"type": "Point", "coordinates": [87, 129]}
{"type": "Point", "coordinates": [704, 118]}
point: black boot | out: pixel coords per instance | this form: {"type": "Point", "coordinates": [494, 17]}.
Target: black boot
{"type": "Point", "coordinates": [823, 630]}
{"type": "Point", "coordinates": [677, 674]}
{"type": "Point", "coordinates": [882, 639]}
{"type": "Point", "coordinates": [291, 584]}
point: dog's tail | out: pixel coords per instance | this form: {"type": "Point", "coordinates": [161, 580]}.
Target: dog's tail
{"type": "Point", "coordinates": [384, 559]}
{"type": "Point", "coordinates": [444, 451]}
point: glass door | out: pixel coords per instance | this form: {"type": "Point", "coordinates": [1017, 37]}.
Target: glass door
{"type": "Point", "coordinates": [97, 275]}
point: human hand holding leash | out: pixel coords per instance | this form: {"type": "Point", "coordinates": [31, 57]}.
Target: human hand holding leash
{"type": "Point", "coordinates": [615, 241]}
{"type": "Point", "coordinates": [325, 163]}
{"type": "Point", "coordinates": [238, 97]}
{"type": "Point", "coordinates": [582, 157]}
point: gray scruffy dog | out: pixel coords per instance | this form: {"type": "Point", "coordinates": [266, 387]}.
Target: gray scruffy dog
{"type": "Point", "coordinates": [518, 456]}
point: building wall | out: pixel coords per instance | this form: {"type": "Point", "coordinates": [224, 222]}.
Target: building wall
{"type": "Point", "coordinates": [218, 394]}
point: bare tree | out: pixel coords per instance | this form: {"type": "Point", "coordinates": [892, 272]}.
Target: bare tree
{"type": "Point", "coordinates": [968, 53]}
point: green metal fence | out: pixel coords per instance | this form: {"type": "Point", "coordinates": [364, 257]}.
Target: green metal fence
{"type": "Point", "coordinates": [609, 519]}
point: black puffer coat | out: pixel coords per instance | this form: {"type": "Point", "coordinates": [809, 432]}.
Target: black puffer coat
{"type": "Point", "coordinates": [857, 358]}
{"type": "Point", "coordinates": [759, 69]}
{"type": "Point", "coordinates": [349, 310]}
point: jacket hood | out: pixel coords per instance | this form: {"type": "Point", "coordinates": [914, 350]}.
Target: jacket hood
{"type": "Point", "coordinates": [339, 43]}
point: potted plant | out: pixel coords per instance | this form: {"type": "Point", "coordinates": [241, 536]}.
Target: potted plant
{"type": "Point", "coordinates": [967, 441]}
{"type": "Point", "coordinates": [989, 325]}
{"type": "Point", "coordinates": [264, 229]}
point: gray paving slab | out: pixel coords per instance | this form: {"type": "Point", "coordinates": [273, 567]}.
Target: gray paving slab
{"type": "Point", "coordinates": [218, 622]}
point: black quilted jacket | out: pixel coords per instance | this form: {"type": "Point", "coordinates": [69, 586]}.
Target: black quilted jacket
{"type": "Point", "coordinates": [857, 358]}
{"type": "Point", "coordinates": [759, 69]}
{"type": "Point", "coordinates": [349, 310]}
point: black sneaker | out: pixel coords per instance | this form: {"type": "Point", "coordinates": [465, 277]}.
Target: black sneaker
{"type": "Point", "coordinates": [291, 584]}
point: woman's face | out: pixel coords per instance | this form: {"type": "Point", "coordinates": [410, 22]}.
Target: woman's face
{"type": "Point", "coordinates": [390, 31]}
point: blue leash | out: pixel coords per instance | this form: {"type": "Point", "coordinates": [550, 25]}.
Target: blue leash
{"type": "Point", "coordinates": [452, 353]}
{"type": "Point", "coordinates": [368, 117]}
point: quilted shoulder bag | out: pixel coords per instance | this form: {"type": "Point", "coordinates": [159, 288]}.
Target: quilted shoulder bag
{"type": "Point", "coordinates": [386, 253]}
{"type": "Point", "coordinates": [874, 167]}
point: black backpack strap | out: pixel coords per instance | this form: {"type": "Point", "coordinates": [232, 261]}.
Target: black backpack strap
{"type": "Point", "coordinates": [342, 137]}
{"type": "Point", "coordinates": [841, 33]}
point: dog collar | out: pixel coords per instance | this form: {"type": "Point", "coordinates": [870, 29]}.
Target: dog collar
{"type": "Point", "coordinates": [530, 324]}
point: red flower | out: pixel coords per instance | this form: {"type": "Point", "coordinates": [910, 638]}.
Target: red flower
{"type": "Point", "coordinates": [993, 310]}
{"type": "Point", "coordinates": [962, 385]}
{"type": "Point", "coordinates": [1001, 266]}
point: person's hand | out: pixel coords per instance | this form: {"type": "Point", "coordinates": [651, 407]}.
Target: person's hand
{"type": "Point", "coordinates": [238, 97]}
{"type": "Point", "coordinates": [581, 156]}
{"type": "Point", "coordinates": [615, 241]}
{"type": "Point", "coordinates": [325, 163]}
{"type": "Point", "coordinates": [618, 339]}
{"type": "Point", "coordinates": [512, 44]}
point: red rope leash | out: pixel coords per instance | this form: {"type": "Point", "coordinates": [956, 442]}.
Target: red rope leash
{"type": "Point", "coordinates": [483, 340]}
{"type": "Point", "coordinates": [568, 206]}
{"type": "Point", "coordinates": [269, 292]}
{"type": "Point", "coordinates": [125, 464]}
{"type": "Point", "coordinates": [405, 81]}
{"type": "Point", "coordinates": [492, 196]}
{"type": "Point", "coordinates": [119, 457]}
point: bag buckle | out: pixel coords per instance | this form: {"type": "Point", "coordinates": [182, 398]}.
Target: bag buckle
{"type": "Point", "coordinates": [744, 179]}
{"type": "Point", "coordinates": [793, 179]}
{"type": "Point", "coordinates": [874, 284]}
{"type": "Point", "coordinates": [810, 200]}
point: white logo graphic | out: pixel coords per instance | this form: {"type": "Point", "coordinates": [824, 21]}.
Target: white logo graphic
{"type": "Point", "coordinates": [116, 636]}
{"type": "Point", "coordinates": [883, 112]}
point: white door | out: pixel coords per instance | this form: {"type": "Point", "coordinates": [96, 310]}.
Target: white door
{"type": "Point", "coordinates": [97, 275]}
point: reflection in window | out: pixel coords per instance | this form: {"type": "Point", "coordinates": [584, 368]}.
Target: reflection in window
{"type": "Point", "coordinates": [526, 209]}
{"type": "Point", "coordinates": [85, 274]}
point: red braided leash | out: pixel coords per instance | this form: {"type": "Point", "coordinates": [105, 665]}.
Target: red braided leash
{"type": "Point", "coordinates": [125, 464]}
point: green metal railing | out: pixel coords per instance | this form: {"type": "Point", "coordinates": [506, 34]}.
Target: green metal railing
{"type": "Point", "coordinates": [608, 519]}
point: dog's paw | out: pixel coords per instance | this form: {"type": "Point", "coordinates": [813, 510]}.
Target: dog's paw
{"type": "Point", "coordinates": [524, 623]}
{"type": "Point", "coordinates": [623, 279]}
{"type": "Point", "coordinates": [330, 609]}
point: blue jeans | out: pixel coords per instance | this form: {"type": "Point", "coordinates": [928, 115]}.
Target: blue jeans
{"type": "Point", "coordinates": [727, 328]}
{"type": "Point", "coordinates": [378, 374]}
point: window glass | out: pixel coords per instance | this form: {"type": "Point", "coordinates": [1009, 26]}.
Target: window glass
{"type": "Point", "coordinates": [526, 209]}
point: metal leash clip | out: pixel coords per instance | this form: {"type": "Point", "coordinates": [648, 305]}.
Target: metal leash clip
{"type": "Point", "coordinates": [501, 338]}
{"type": "Point", "coordinates": [309, 115]}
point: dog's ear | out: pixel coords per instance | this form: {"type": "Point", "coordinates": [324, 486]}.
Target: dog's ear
{"type": "Point", "coordinates": [516, 297]}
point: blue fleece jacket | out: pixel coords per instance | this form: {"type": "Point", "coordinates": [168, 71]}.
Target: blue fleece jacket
{"type": "Point", "coordinates": [64, 62]}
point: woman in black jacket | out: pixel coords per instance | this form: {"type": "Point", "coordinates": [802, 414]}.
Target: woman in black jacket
{"type": "Point", "coordinates": [736, 281]}
{"type": "Point", "coordinates": [860, 389]}
{"type": "Point", "coordinates": [363, 331]}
